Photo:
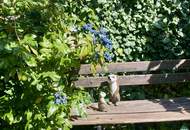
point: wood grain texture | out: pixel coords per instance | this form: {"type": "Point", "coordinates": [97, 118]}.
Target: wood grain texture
{"type": "Point", "coordinates": [140, 66]}
{"type": "Point", "coordinates": [135, 79]}
{"type": "Point", "coordinates": [139, 111]}
{"type": "Point", "coordinates": [133, 118]}
{"type": "Point", "coordinates": [140, 106]}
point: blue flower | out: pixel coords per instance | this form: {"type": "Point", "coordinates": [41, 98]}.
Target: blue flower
{"type": "Point", "coordinates": [106, 42]}
{"type": "Point", "coordinates": [102, 35]}
{"type": "Point", "coordinates": [59, 99]}
{"type": "Point", "coordinates": [109, 46]}
{"type": "Point", "coordinates": [63, 100]}
{"type": "Point", "coordinates": [87, 26]}
{"type": "Point", "coordinates": [93, 31]}
{"type": "Point", "coordinates": [107, 56]}
{"type": "Point", "coordinates": [56, 95]}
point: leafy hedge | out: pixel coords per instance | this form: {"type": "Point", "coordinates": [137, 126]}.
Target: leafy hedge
{"type": "Point", "coordinates": [146, 29]}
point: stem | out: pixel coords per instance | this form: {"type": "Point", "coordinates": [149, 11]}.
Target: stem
{"type": "Point", "coordinates": [18, 38]}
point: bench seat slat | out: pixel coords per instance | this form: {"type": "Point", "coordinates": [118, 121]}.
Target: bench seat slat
{"type": "Point", "coordinates": [140, 106]}
{"type": "Point", "coordinates": [135, 79]}
{"type": "Point", "coordinates": [139, 111]}
{"type": "Point", "coordinates": [140, 66]}
{"type": "Point", "coordinates": [133, 118]}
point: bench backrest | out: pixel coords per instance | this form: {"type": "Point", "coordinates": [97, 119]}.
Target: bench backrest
{"type": "Point", "coordinates": [137, 73]}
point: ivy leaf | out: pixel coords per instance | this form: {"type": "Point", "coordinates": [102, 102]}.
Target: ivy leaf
{"type": "Point", "coordinates": [158, 25]}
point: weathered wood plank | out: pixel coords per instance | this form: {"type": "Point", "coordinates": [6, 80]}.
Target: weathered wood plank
{"type": "Point", "coordinates": [133, 118]}
{"type": "Point", "coordinates": [135, 79]}
{"type": "Point", "coordinates": [139, 111]}
{"type": "Point", "coordinates": [140, 106]}
{"type": "Point", "coordinates": [138, 66]}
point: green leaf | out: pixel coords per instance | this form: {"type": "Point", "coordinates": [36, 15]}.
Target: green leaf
{"type": "Point", "coordinates": [28, 115]}
{"type": "Point", "coordinates": [46, 43]}
{"type": "Point", "coordinates": [52, 109]}
{"type": "Point", "coordinates": [30, 61]}
{"type": "Point", "coordinates": [102, 1]}
{"type": "Point", "coordinates": [9, 116]}
{"type": "Point", "coordinates": [84, 52]}
{"type": "Point", "coordinates": [51, 74]}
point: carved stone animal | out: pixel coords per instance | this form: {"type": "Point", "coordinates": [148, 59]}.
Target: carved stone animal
{"type": "Point", "coordinates": [102, 103]}
{"type": "Point", "coordinates": [114, 89]}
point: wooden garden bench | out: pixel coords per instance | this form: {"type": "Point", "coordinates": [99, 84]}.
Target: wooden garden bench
{"type": "Point", "coordinates": [138, 111]}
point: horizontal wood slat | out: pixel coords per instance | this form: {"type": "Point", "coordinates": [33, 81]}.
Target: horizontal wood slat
{"type": "Point", "coordinates": [138, 66]}
{"type": "Point", "coordinates": [133, 118]}
{"type": "Point", "coordinates": [139, 111]}
{"type": "Point", "coordinates": [140, 106]}
{"type": "Point", "coordinates": [135, 79]}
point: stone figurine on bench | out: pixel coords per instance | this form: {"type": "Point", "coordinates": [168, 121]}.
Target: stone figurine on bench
{"type": "Point", "coordinates": [114, 94]}
{"type": "Point", "coordinates": [102, 105]}
{"type": "Point", "coordinates": [114, 89]}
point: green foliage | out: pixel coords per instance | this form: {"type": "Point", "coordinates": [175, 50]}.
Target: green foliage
{"type": "Point", "coordinates": [40, 49]}
{"type": "Point", "coordinates": [146, 29]}
{"type": "Point", "coordinates": [39, 56]}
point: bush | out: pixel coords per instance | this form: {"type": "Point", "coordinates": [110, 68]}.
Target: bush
{"type": "Point", "coordinates": [42, 45]}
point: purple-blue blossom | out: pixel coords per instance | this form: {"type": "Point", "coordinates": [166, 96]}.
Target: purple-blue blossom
{"type": "Point", "coordinates": [60, 99]}
{"type": "Point", "coordinates": [107, 56]}
{"type": "Point", "coordinates": [106, 42]}
{"type": "Point", "coordinates": [103, 37]}
{"type": "Point", "coordinates": [56, 95]}
{"type": "Point", "coordinates": [57, 101]}
{"type": "Point", "coordinates": [87, 26]}
{"type": "Point", "coordinates": [93, 31]}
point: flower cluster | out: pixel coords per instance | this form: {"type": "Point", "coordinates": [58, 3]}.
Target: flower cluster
{"type": "Point", "coordinates": [103, 36]}
{"type": "Point", "coordinates": [59, 99]}
{"type": "Point", "coordinates": [107, 56]}
{"type": "Point", "coordinates": [106, 42]}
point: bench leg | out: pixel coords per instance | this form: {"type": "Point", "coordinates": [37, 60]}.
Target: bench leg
{"type": "Point", "coordinates": [99, 127]}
